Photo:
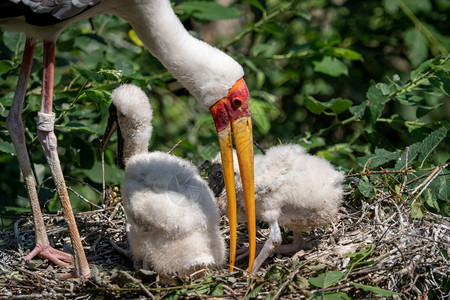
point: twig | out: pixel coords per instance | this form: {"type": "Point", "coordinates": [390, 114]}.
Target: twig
{"type": "Point", "coordinates": [427, 182]}
{"type": "Point", "coordinates": [175, 146]}
{"type": "Point", "coordinates": [33, 274]}
{"type": "Point", "coordinates": [82, 197]}
{"type": "Point", "coordinates": [405, 174]}
{"type": "Point", "coordinates": [139, 283]}
{"type": "Point", "coordinates": [286, 282]}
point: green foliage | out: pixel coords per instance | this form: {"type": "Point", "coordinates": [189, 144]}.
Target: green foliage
{"type": "Point", "coordinates": [359, 84]}
{"type": "Point", "coordinates": [328, 279]}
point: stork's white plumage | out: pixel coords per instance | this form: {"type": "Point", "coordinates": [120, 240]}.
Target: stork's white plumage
{"type": "Point", "coordinates": [213, 77]}
{"type": "Point", "coordinates": [293, 189]}
{"type": "Point", "coordinates": [173, 217]}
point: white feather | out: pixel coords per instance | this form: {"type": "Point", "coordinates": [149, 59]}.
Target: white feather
{"type": "Point", "coordinates": [205, 71]}
{"type": "Point", "coordinates": [173, 216]}
{"type": "Point", "coordinates": [292, 189]}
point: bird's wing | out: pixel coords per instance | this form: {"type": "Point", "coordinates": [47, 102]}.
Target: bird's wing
{"type": "Point", "coordinates": [45, 12]}
{"type": "Point", "coordinates": [61, 9]}
{"type": "Point", "coordinates": [164, 210]}
{"type": "Point", "coordinates": [272, 185]}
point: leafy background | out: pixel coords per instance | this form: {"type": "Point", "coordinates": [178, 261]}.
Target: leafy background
{"type": "Point", "coordinates": [364, 84]}
{"type": "Point", "coordinates": [350, 81]}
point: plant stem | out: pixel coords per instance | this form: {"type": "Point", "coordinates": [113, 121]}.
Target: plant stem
{"type": "Point", "coordinates": [419, 25]}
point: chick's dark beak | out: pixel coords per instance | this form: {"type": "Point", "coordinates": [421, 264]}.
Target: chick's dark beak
{"type": "Point", "coordinates": [111, 127]}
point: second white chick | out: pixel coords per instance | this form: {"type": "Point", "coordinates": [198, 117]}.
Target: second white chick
{"type": "Point", "coordinates": [174, 220]}
{"type": "Point", "coordinates": [293, 189]}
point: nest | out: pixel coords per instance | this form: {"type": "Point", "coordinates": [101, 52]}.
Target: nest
{"type": "Point", "coordinates": [374, 248]}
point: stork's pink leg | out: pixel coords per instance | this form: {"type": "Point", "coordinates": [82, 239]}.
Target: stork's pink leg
{"type": "Point", "coordinates": [48, 141]}
{"type": "Point", "coordinates": [17, 131]}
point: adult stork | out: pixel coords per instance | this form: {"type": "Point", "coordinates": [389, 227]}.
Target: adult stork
{"type": "Point", "coordinates": [211, 76]}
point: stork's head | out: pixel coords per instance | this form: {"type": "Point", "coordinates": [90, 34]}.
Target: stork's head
{"type": "Point", "coordinates": [231, 116]}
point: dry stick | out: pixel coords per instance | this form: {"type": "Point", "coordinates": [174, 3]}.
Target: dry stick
{"type": "Point", "coordinates": [175, 146]}
{"type": "Point", "coordinates": [405, 174]}
{"type": "Point", "coordinates": [33, 274]}
{"type": "Point", "coordinates": [427, 182]}
{"type": "Point", "coordinates": [289, 279]}
{"type": "Point", "coordinates": [82, 197]}
{"type": "Point", "coordinates": [139, 283]}
{"type": "Point", "coordinates": [102, 154]}
{"type": "Point", "coordinates": [383, 171]}
{"type": "Point", "coordinates": [83, 183]}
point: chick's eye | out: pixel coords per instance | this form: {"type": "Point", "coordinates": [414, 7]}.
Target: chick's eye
{"type": "Point", "coordinates": [236, 103]}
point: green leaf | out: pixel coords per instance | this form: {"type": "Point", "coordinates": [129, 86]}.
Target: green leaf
{"type": "Point", "coordinates": [358, 110]}
{"type": "Point", "coordinates": [314, 106]}
{"type": "Point", "coordinates": [261, 114]}
{"type": "Point", "coordinates": [418, 45]}
{"type": "Point", "coordinates": [256, 4]}
{"type": "Point", "coordinates": [422, 110]}
{"type": "Point", "coordinates": [7, 147]}
{"type": "Point", "coordinates": [6, 65]}
{"type": "Point", "coordinates": [330, 66]}
{"type": "Point", "coordinates": [272, 28]}
{"type": "Point", "coordinates": [254, 293]}
{"type": "Point", "coordinates": [377, 96]}
{"type": "Point", "coordinates": [442, 83]}
{"type": "Point", "coordinates": [418, 6]}
{"type": "Point", "coordinates": [13, 41]}
{"type": "Point", "coordinates": [74, 126]}
{"type": "Point", "coordinates": [367, 189]}
{"type": "Point", "coordinates": [431, 200]}
{"type": "Point", "coordinates": [417, 210]}
{"type": "Point", "coordinates": [419, 70]}
{"type": "Point", "coordinates": [95, 76]}
{"type": "Point", "coordinates": [345, 53]}
{"type": "Point", "coordinates": [328, 279]}
{"type": "Point", "coordinates": [332, 296]}
{"type": "Point", "coordinates": [376, 290]}
{"type": "Point", "coordinates": [379, 158]}
{"type": "Point", "coordinates": [98, 96]}
{"type": "Point", "coordinates": [431, 142]}
{"type": "Point", "coordinates": [208, 11]}
{"type": "Point", "coordinates": [338, 105]}
{"type": "Point", "coordinates": [217, 290]}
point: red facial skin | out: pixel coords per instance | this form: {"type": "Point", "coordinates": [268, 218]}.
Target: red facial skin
{"type": "Point", "coordinates": [232, 107]}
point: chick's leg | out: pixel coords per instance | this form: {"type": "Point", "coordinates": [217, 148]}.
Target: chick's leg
{"type": "Point", "coordinates": [270, 245]}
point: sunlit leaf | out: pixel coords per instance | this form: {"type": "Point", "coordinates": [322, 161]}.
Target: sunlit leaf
{"type": "Point", "coordinates": [345, 53]}
{"type": "Point", "coordinates": [6, 65]}
{"type": "Point", "coordinates": [330, 66]}
{"type": "Point", "coordinates": [254, 293]}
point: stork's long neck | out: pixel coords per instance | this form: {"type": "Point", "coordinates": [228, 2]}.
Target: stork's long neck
{"type": "Point", "coordinates": [205, 71]}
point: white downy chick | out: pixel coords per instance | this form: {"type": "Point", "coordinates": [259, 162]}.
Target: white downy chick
{"type": "Point", "coordinates": [174, 220]}
{"type": "Point", "coordinates": [293, 189]}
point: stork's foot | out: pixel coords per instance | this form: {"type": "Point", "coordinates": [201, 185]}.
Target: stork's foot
{"type": "Point", "coordinates": [55, 256]}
